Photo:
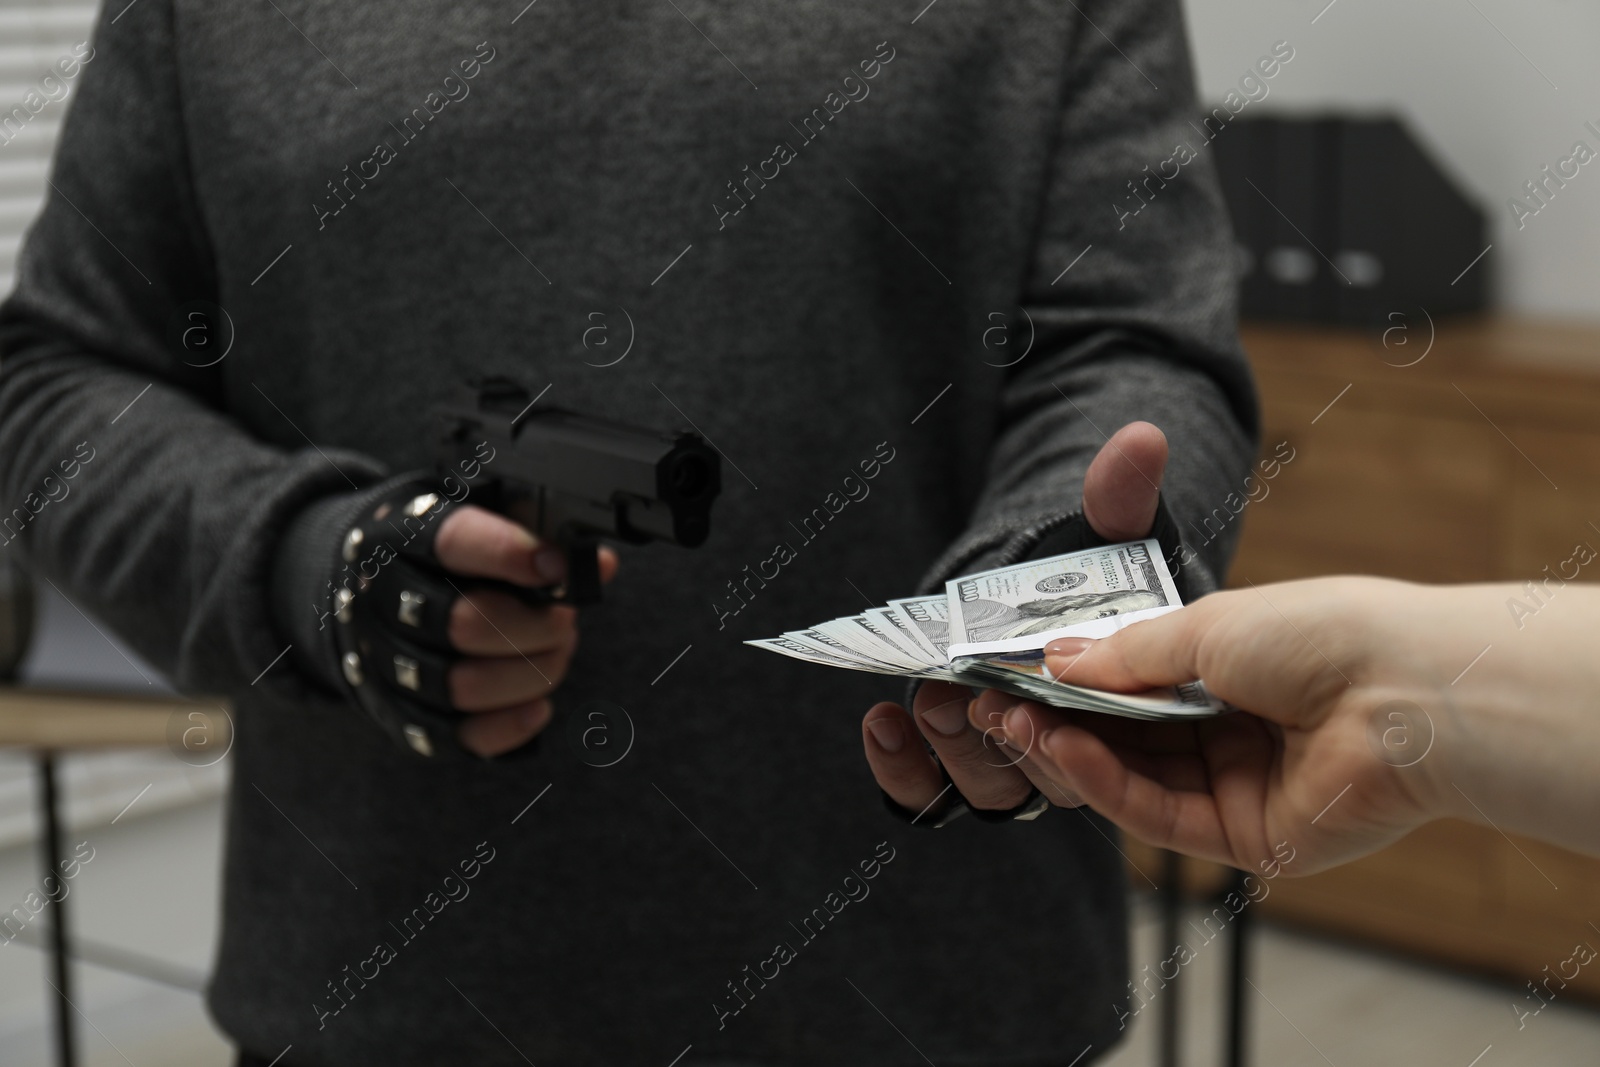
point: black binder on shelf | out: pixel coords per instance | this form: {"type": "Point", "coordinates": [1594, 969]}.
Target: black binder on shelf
{"type": "Point", "coordinates": [1248, 159]}
{"type": "Point", "coordinates": [1347, 220]}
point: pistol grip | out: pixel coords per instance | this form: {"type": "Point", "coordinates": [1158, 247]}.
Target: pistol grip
{"type": "Point", "coordinates": [583, 571]}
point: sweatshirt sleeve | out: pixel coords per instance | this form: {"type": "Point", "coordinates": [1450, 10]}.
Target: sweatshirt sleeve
{"type": "Point", "coordinates": [165, 524]}
{"type": "Point", "coordinates": [1134, 314]}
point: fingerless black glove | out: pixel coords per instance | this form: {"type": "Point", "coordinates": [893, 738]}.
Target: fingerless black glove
{"type": "Point", "coordinates": [382, 612]}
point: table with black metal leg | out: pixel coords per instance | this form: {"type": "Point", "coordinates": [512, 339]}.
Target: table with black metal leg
{"type": "Point", "coordinates": [56, 915]}
{"type": "Point", "coordinates": [1236, 1037]}
{"type": "Point", "coordinates": [52, 722]}
{"type": "Point", "coordinates": [1169, 1052]}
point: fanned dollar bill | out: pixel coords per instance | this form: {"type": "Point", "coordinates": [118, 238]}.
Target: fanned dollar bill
{"type": "Point", "coordinates": [866, 637]}
{"type": "Point", "coordinates": [1027, 605]}
{"type": "Point", "coordinates": [901, 632]}
{"type": "Point", "coordinates": [989, 630]}
{"type": "Point", "coordinates": [929, 617]}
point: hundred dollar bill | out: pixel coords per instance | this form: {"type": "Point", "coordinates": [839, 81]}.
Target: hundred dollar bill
{"type": "Point", "coordinates": [899, 629]}
{"type": "Point", "coordinates": [817, 637]}
{"type": "Point", "coordinates": [816, 645]}
{"type": "Point", "coordinates": [867, 638]}
{"type": "Point", "coordinates": [929, 617]}
{"type": "Point", "coordinates": [1022, 607]}
{"type": "Point", "coordinates": [1003, 673]}
{"type": "Point", "coordinates": [1024, 674]}
{"type": "Point", "coordinates": [989, 631]}
{"type": "Point", "coordinates": [796, 648]}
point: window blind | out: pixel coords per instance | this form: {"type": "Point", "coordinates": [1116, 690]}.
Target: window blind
{"type": "Point", "coordinates": [34, 36]}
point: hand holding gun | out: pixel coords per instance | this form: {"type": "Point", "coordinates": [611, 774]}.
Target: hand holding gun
{"type": "Point", "coordinates": [574, 479]}
{"type": "Point", "coordinates": [467, 623]}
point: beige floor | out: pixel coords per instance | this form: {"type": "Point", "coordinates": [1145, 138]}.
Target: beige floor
{"type": "Point", "coordinates": [151, 885]}
{"type": "Point", "coordinates": [151, 889]}
{"type": "Point", "coordinates": [1318, 1002]}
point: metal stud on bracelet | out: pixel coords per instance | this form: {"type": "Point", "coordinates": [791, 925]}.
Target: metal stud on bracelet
{"type": "Point", "coordinates": [411, 605]}
{"type": "Point", "coordinates": [393, 682]}
{"type": "Point", "coordinates": [341, 605]}
{"type": "Point", "coordinates": [417, 738]}
{"type": "Point", "coordinates": [408, 672]}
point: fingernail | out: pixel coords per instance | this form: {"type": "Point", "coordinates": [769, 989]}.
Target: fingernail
{"type": "Point", "coordinates": [948, 719]}
{"type": "Point", "coordinates": [550, 564]}
{"type": "Point", "coordinates": [888, 734]}
{"type": "Point", "coordinates": [1068, 646]}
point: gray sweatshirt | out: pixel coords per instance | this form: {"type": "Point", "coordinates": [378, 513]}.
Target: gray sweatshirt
{"type": "Point", "coordinates": [834, 238]}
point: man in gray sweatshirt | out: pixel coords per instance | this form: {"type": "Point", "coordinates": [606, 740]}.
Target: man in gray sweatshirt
{"type": "Point", "coordinates": [829, 237]}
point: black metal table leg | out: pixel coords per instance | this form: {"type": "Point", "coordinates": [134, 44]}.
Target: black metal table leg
{"type": "Point", "coordinates": [56, 914]}
{"type": "Point", "coordinates": [1171, 916]}
{"type": "Point", "coordinates": [1238, 964]}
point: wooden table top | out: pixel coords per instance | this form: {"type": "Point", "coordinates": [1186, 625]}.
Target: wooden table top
{"type": "Point", "coordinates": [73, 719]}
{"type": "Point", "coordinates": [1505, 365]}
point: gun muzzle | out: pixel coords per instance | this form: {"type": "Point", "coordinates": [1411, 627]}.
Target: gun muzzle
{"type": "Point", "coordinates": [576, 478]}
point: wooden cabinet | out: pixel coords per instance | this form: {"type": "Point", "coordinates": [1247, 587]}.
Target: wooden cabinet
{"type": "Point", "coordinates": [1478, 461]}
{"type": "Point", "coordinates": [1546, 524]}
{"type": "Point", "coordinates": [1359, 472]}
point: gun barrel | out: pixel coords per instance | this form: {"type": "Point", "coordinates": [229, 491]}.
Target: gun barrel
{"type": "Point", "coordinates": [566, 473]}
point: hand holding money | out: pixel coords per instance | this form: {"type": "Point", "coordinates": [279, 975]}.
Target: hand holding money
{"type": "Point", "coordinates": [1120, 499]}
{"type": "Point", "coordinates": [989, 630]}
{"type": "Point", "coordinates": [1329, 758]}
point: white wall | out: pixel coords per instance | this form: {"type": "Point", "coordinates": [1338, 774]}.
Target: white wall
{"type": "Point", "coordinates": [1479, 107]}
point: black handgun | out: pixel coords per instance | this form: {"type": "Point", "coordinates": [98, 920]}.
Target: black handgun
{"type": "Point", "coordinates": [574, 479]}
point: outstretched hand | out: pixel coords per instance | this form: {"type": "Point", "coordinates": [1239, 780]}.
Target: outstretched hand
{"type": "Point", "coordinates": [1121, 491]}
{"type": "Point", "coordinates": [1329, 760]}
